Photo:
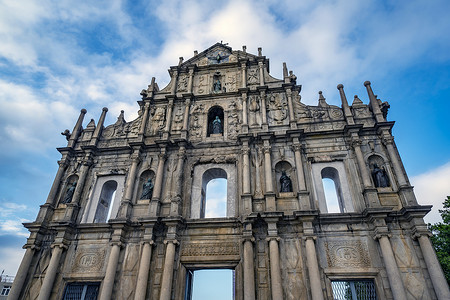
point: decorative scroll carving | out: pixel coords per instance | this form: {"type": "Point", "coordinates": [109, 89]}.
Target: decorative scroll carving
{"type": "Point", "coordinates": [89, 261]}
{"type": "Point", "coordinates": [343, 254]}
{"type": "Point", "coordinates": [210, 249]}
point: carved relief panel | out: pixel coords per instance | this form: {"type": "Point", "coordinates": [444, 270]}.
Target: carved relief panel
{"type": "Point", "coordinates": [277, 109]}
{"type": "Point", "coordinates": [347, 254]}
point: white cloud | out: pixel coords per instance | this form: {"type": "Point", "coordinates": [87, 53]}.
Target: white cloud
{"type": "Point", "coordinates": [433, 187]}
{"type": "Point", "coordinates": [10, 259]}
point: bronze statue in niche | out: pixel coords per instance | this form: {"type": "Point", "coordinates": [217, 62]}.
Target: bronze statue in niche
{"type": "Point", "coordinates": [380, 177]}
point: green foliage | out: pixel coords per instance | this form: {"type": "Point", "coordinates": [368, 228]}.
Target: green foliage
{"type": "Point", "coordinates": [441, 239]}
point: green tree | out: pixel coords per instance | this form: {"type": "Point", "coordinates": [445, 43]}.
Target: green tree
{"type": "Point", "coordinates": [441, 238]}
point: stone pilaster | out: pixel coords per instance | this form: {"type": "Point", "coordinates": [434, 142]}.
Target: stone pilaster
{"type": "Point", "coordinates": [261, 73]}
{"type": "Point", "coordinates": [347, 112]}
{"type": "Point", "coordinates": [125, 205]}
{"type": "Point", "coordinates": [249, 271]}
{"type": "Point", "coordinates": [292, 121]}
{"type": "Point", "coordinates": [77, 129]}
{"type": "Point", "coordinates": [178, 188]}
{"type": "Point", "coordinates": [144, 268]}
{"type": "Point", "coordinates": [166, 282]}
{"type": "Point", "coordinates": [99, 128]}
{"type": "Point", "coordinates": [374, 103]}
{"type": "Point", "coordinates": [313, 268]}
{"type": "Point", "coordinates": [275, 271]}
{"type": "Point", "coordinates": [144, 118]}
{"type": "Point", "coordinates": [111, 268]}
{"type": "Point", "coordinates": [155, 201]}
{"type": "Point", "coordinates": [304, 201]}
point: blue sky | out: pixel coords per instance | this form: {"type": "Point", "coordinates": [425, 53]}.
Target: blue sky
{"type": "Point", "coordinates": [57, 57]}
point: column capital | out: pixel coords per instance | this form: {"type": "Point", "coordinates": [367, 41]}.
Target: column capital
{"type": "Point", "coordinates": [162, 156]}
{"type": "Point", "coordinates": [356, 142]}
{"type": "Point", "coordinates": [31, 247]}
{"type": "Point", "coordinates": [379, 235]}
{"type": "Point", "coordinates": [248, 239]}
{"type": "Point", "coordinates": [120, 244]}
{"type": "Point", "coordinates": [245, 150]}
{"type": "Point", "coordinates": [297, 147]}
{"type": "Point", "coordinates": [173, 241]}
{"type": "Point", "coordinates": [63, 163]}
{"type": "Point", "coordinates": [273, 238]}
{"type": "Point", "coordinates": [59, 245]}
{"type": "Point", "coordinates": [387, 140]}
{"type": "Point", "coordinates": [417, 233]}
{"type": "Point", "coordinates": [150, 242]}
{"type": "Point", "coordinates": [309, 237]}
{"type": "Point", "coordinates": [266, 149]}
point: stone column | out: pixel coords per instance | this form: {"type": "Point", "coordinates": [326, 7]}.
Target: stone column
{"type": "Point", "coordinates": [144, 118]}
{"type": "Point", "coordinates": [178, 188]}
{"type": "Point", "coordinates": [292, 120]}
{"type": "Point", "coordinates": [313, 269]}
{"type": "Point", "coordinates": [275, 272]}
{"type": "Point", "coordinates": [169, 116]}
{"type": "Point", "coordinates": [244, 74]}
{"type": "Point", "coordinates": [144, 268]}
{"type": "Point", "coordinates": [63, 163]}
{"type": "Point", "coordinates": [394, 276]}
{"type": "Point", "coordinates": [190, 80]}
{"type": "Point", "coordinates": [244, 110]}
{"type": "Point", "coordinates": [50, 274]}
{"type": "Point", "coordinates": [299, 166]}
{"type": "Point", "coordinates": [389, 143]}
{"type": "Point", "coordinates": [125, 205]}
{"type": "Point", "coordinates": [111, 268]}
{"type": "Point", "coordinates": [186, 114]}
{"type": "Point", "coordinates": [263, 107]}
{"type": "Point", "coordinates": [374, 103]}
{"type": "Point", "coordinates": [268, 170]}
{"type": "Point", "coordinates": [347, 112]}
{"type": "Point", "coordinates": [99, 127]}
{"type": "Point", "coordinates": [261, 73]}
{"type": "Point", "coordinates": [434, 268]}
{"type": "Point", "coordinates": [258, 163]}
{"type": "Point", "coordinates": [73, 206]}
{"type": "Point", "coordinates": [21, 275]}
{"type": "Point", "coordinates": [356, 143]}
{"type": "Point", "coordinates": [166, 282]}
{"type": "Point", "coordinates": [155, 201]}
{"type": "Point", "coordinates": [76, 130]}
{"type": "Point", "coordinates": [245, 168]}
{"type": "Point", "coordinates": [249, 273]}
{"type": "Point", "coordinates": [173, 89]}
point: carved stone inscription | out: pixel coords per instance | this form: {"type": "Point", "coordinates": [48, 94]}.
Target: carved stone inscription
{"type": "Point", "coordinates": [344, 254]}
{"type": "Point", "coordinates": [89, 261]}
{"type": "Point", "coordinates": [209, 249]}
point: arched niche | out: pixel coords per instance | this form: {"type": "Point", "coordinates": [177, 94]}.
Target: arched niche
{"type": "Point", "coordinates": [203, 174]}
{"type": "Point", "coordinates": [143, 178]}
{"type": "Point", "coordinates": [379, 172]}
{"type": "Point", "coordinates": [68, 189]}
{"type": "Point", "coordinates": [283, 185]}
{"type": "Point", "coordinates": [215, 111]}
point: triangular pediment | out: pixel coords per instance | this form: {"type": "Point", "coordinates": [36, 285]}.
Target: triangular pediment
{"type": "Point", "coordinates": [215, 55]}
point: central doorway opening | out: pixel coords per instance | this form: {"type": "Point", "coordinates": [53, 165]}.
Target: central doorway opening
{"type": "Point", "coordinates": [206, 284]}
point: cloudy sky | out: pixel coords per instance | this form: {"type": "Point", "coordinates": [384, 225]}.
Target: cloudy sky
{"type": "Point", "coordinates": [57, 57]}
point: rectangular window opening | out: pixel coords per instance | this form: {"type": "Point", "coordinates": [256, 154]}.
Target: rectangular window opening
{"type": "Point", "coordinates": [363, 289]}
{"type": "Point", "coordinates": [206, 284]}
{"type": "Point", "coordinates": [81, 291]}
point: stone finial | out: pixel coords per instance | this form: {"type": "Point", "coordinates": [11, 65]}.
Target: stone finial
{"type": "Point", "coordinates": [285, 70]}
{"type": "Point", "coordinates": [181, 60]}
{"type": "Point", "coordinates": [91, 124]}
{"type": "Point", "coordinates": [244, 49]}
{"type": "Point", "coordinates": [356, 100]}
{"type": "Point", "coordinates": [83, 111]}
{"type": "Point", "coordinates": [120, 118]}
{"type": "Point", "coordinates": [195, 52]}
{"type": "Point", "coordinates": [105, 109]}
{"type": "Point", "coordinates": [322, 101]}
{"type": "Point", "coordinates": [366, 83]}
{"type": "Point", "coordinates": [340, 86]}
{"type": "Point", "coordinates": [259, 51]}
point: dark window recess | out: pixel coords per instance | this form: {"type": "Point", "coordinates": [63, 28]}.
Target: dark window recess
{"type": "Point", "coordinates": [81, 291]}
{"type": "Point", "coordinates": [354, 290]}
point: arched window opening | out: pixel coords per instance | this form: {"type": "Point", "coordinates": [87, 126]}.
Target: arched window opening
{"type": "Point", "coordinates": [105, 203]}
{"type": "Point", "coordinates": [215, 121]}
{"type": "Point", "coordinates": [332, 190]}
{"type": "Point", "coordinates": [214, 194]}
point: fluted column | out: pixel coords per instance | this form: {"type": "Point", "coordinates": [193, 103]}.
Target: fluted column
{"type": "Point", "coordinates": [50, 274]}
{"type": "Point", "coordinates": [155, 201]}
{"type": "Point", "coordinates": [249, 273]}
{"type": "Point", "coordinates": [144, 268]}
{"type": "Point", "coordinates": [275, 272]}
{"type": "Point", "coordinates": [394, 276]}
{"type": "Point", "coordinates": [144, 118]}
{"type": "Point", "coordinates": [131, 179]}
{"type": "Point", "coordinates": [77, 129]}
{"type": "Point", "coordinates": [111, 268]}
{"type": "Point", "coordinates": [434, 267]}
{"type": "Point", "coordinates": [166, 282]}
{"type": "Point", "coordinates": [21, 275]}
{"type": "Point", "coordinates": [313, 269]}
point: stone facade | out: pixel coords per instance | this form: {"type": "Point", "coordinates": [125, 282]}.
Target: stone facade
{"type": "Point", "coordinates": [125, 215]}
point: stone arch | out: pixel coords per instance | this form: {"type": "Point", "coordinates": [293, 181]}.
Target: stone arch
{"type": "Point", "coordinates": [213, 112]}
{"type": "Point", "coordinates": [105, 203]}
{"type": "Point", "coordinates": [203, 174]}
{"type": "Point", "coordinates": [286, 167]}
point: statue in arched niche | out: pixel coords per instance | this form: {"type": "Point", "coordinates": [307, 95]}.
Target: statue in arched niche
{"type": "Point", "coordinates": [69, 193]}
{"type": "Point", "coordinates": [216, 126]}
{"type": "Point", "coordinates": [147, 190]}
{"type": "Point", "coordinates": [380, 177]}
{"type": "Point", "coordinates": [285, 183]}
